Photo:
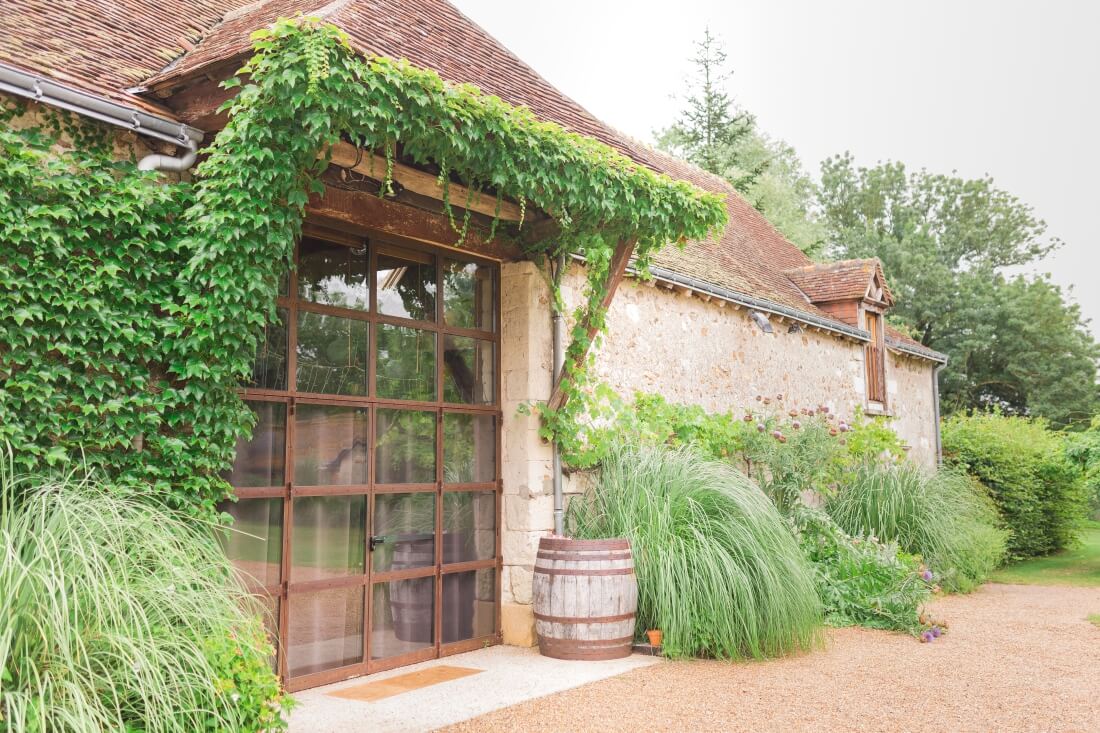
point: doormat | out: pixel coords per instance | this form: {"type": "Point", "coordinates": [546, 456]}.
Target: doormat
{"type": "Point", "coordinates": [379, 689]}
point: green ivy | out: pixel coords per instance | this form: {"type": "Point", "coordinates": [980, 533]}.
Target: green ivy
{"type": "Point", "coordinates": [130, 309]}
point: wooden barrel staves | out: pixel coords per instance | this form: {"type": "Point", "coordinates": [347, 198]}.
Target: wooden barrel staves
{"type": "Point", "coordinates": [585, 598]}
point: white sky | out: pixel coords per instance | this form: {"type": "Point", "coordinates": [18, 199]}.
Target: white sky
{"type": "Point", "coordinates": [1008, 88]}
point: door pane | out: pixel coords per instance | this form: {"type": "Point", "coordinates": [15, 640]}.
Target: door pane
{"type": "Point", "coordinates": [469, 605]}
{"type": "Point", "coordinates": [469, 448]}
{"type": "Point", "coordinates": [332, 354]}
{"type": "Point", "coordinates": [269, 366]}
{"type": "Point", "coordinates": [328, 538]}
{"type": "Point", "coordinates": [469, 368]}
{"type": "Point", "coordinates": [469, 526]}
{"type": "Point", "coordinates": [402, 617]}
{"type": "Point", "coordinates": [333, 274]}
{"type": "Point", "coordinates": [331, 445]}
{"type": "Point", "coordinates": [405, 447]}
{"type": "Point", "coordinates": [407, 522]}
{"type": "Point", "coordinates": [406, 363]}
{"type": "Point", "coordinates": [325, 630]}
{"type": "Point", "coordinates": [254, 542]}
{"type": "Point", "coordinates": [269, 609]}
{"type": "Point", "coordinates": [260, 457]}
{"type": "Point", "coordinates": [406, 286]}
{"type": "Point", "coordinates": [469, 293]}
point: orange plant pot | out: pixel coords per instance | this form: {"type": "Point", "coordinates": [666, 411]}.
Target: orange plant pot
{"type": "Point", "coordinates": [655, 637]}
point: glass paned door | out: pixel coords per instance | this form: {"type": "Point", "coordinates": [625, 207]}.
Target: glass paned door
{"type": "Point", "coordinates": [369, 490]}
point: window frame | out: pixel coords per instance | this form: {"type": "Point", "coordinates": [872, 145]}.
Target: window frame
{"type": "Point", "coordinates": [292, 305]}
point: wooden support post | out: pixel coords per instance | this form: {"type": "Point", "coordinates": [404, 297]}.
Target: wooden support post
{"type": "Point", "coordinates": [617, 270]}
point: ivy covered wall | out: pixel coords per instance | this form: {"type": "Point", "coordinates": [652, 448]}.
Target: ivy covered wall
{"type": "Point", "coordinates": [130, 307]}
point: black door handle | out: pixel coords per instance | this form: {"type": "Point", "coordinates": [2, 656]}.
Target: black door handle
{"type": "Point", "coordinates": [378, 539]}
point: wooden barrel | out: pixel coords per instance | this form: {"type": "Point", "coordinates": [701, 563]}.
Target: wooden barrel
{"type": "Point", "coordinates": [585, 597]}
{"type": "Point", "coordinates": [411, 600]}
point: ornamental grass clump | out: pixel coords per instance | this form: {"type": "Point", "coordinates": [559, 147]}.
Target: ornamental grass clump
{"type": "Point", "coordinates": [943, 517]}
{"type": "Point", "coordinates": [118, 615]}
{"type": "Point", "coordinates": [719, 571]}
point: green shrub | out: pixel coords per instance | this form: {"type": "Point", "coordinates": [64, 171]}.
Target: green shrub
{"type": "Point", "coordinates": [1039, 492]}
{"type": "Point", "coordinates": [1084, 449]}
{"type": "Point", "coordinates": [943, 517]}
{"type": "Point", "coordinates": [860, 580]}
{"type": "Point", "coordinates": [116, 614]}
{"type": "Point", "coordinates": [786, 449]}
{"type": "Point", "coordinates": [719, 571]}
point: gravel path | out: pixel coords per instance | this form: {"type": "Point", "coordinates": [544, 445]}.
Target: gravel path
{"type": "Point", "coordinates": [1017, 658]}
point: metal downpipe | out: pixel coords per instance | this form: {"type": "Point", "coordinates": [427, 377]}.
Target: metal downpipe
{"type": "Point", "coordinates": [158, 162]}
{"type": "Point", "coordinates": [936, 408]}
{"type": "Point", "coordinates": [558, 331]}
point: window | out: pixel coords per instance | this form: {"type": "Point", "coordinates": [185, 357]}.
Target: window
{"type": "Point", "coordinates": [369, 490]}
{"type": "Point", "coordinates": [875, 358]}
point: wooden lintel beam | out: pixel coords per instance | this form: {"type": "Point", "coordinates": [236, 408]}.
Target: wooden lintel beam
{"type": "Point", "coordinates": [616, 272]}
{"type": "Point", "coordinates": [370, 164]}
{"type": "Point", "coordinates": [366, 212]}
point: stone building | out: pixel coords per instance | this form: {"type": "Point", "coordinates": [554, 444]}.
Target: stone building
{"type": "Point", "coordinates": [392, 495]}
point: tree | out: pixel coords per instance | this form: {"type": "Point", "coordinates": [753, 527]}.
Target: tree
{"type": "Point", "coordinates": [946, 242]}
{"type": "Point", "coordinates": [711, 131]}
{"type": "Point", "coordinates": [719, 137]}
{"type": "Point", "coordinates": [787, 196]}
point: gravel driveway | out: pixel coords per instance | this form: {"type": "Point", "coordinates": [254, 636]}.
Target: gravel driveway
{"type": "Point", "coordinates": [1017, 658]}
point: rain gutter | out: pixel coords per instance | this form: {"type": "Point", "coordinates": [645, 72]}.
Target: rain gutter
{"type": "Point", "coordinates": [764, 306]}
{"type": "Point", "coordinates": [39, 89]}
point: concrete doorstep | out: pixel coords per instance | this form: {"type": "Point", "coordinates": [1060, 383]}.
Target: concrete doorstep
{"type": "Point", "coordinates": [510, 675]}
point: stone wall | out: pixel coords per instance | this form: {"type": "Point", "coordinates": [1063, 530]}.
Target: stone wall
{"type": "Point", "coordinates": [912, 403]}
{"type": "Point", "coordinates": [127, 145]}
{"type": "Point", "coordinates": [528, 512]}
{"type": "Point", "coordinates": [712, 354]}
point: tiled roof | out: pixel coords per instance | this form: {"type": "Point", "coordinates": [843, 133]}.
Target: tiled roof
{"type": "Point", "coordinates": [749, 257]}
{"type": "Point", "coordinates": [110, 46]}
{"type": "Point", "coordinates": [104, 46]}
{"type": "Point", "coordinates": [842, 280]}
{"type": "Point", "coordinates": [432, 34]}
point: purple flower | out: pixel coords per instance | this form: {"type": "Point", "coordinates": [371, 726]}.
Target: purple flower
{"type": "Point", "coordinates": [926, 637]}
{"type": "Point", "coordinates": [927, 575]}
{"type": "Point", "coordinates": [936, 631]}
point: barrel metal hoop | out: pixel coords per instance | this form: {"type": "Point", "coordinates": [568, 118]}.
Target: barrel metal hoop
{"type": "Point", "coordinates": [580, 571]}
{"type": "Point", "coordinates": [584, 619]}
{"type": "Point", "coordinates": [549, 543]}
{"type": "Point", "coordinates": [583, 556]}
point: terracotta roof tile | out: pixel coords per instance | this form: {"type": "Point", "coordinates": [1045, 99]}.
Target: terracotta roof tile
{"type": "Point", "coordinates": [429, 33]}
{"type": "Point", "coordinates": [842, 280]}
{"type": "Point", "coordinates": [107, 46]}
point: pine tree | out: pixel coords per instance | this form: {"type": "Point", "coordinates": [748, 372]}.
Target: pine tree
{"type": "Point", "coordinates": [712, 132]}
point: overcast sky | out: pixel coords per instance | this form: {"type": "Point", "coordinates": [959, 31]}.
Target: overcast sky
{"type": "Point", "coordinates": [1007, 88]}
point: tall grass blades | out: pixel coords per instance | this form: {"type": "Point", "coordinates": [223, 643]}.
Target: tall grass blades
{"type": "Point", "coordinates": [719, 572]}
{"type": "Point", "coordinates": [118, 615]}
{"type": "Point", "coordinates": [943, 517]}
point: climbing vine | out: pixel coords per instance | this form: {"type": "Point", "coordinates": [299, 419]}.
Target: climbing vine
{"type": "Point", "coordinates": [130, 309]}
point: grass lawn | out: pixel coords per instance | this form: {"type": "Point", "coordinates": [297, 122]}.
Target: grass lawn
{"type": "Point", "coordinates": [1077, 566]}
